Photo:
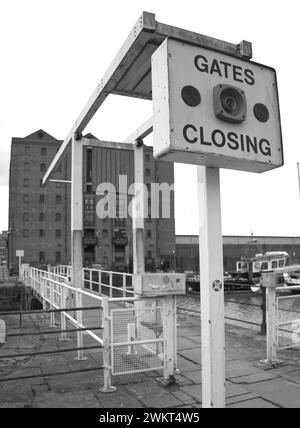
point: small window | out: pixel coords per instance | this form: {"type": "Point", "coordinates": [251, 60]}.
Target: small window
{"type": "Point", "coordinates": [149, 234]}
{"type": "Point", "coordinates": [58, 169]}
{"type": "Point", "coordinates": [27, 150]}
{"type": "Point", "coordinates": [149, 254]}
{"type": "Point", "coordinates": [26, 166]}
{"type": "Point", "coordinates": [274, 264]}
{"type": "Point", "coordinates": [264, 266]}
{"type": "Point", "coordinates": [42, 257]}
{"type": "Point", "coordinates": [104, 233]}
{"type": "Point", "coordinates": [58, 217]}
{"type": "Point", "coordinates": [26, 199]}
{"type": "Point", "coordinates": [147, 157]}
{"type": "Point", "coordinates": [58, 185]}
{"type": "Point", "coordinates": [42, 199]}
{"type": "Point", "coordinates": [42, 167]}
{"type": "Point", "coordinates": [58, 199]}
{"type": "Point", "coordinates": [43, 151]}
{"type": "Point", "coordinates": [26, 182]}
{"type": "Point", "coordinates": [148, 172]}
{"type": "Point", "coordinates": [42, 233]}
{"type": "Point", "coordinates": [281, 263]}
{"type": "Point", "coordinates": [58, 256]}
{"type": "Point", "coordinates": [42, 216]}
{"type": "Point", "coordinates": [25, 233]}
{"type": "Point", "coordinates": [58, 233]}
{"type": "Point", "coordinates": [26, 216]}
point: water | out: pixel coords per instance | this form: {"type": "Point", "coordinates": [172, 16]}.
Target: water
{"type": "Point", "coordinates": [244, 309]}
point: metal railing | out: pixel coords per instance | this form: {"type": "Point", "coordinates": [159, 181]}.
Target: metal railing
{"type": "Point", "coordinates": [134, 338]}
{"type": "Point", "coordinates": [109, 283]}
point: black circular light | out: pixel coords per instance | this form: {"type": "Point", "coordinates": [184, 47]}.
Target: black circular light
{"type": "Point", "coordinates": [191, 96]}
{"type": "Point", "coordinates": [261, 112]}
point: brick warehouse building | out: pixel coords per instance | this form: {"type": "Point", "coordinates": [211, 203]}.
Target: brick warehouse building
{"type": "Point", "coordinates": [39, 217]}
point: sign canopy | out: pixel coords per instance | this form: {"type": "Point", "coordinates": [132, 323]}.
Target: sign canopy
{"type": "Point", "coordinates": [215, 110]}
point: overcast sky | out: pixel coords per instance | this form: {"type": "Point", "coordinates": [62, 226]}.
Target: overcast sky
{"type": "Point", "coordinates": [54, 53]}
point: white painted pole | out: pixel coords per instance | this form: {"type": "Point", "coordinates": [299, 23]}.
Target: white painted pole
{"type": "Point", "coordinates": [138, 215]}
{"type": "Point", "coordinates": [271, 325]}
{"type": "Point", "coordinates": [212, 289]}
{"type": "Point", "coordinates": [76, 230]}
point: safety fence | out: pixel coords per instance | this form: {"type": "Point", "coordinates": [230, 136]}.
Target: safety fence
{"type": "Point", "coordinates": [134, 334]}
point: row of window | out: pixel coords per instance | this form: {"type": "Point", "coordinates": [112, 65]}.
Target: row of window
{"type": "Point", "coordinates": [42, 256]}
{"type": "Point", "coordinates": [26, 199]}
{"type": "Point", "coordinates": [42, 216]}
{"type": "Point", "coordinates": [43, 151]}
{"type": "Point", "coordinates": [43, 167]}
{"type": "Point", "coordinates": [26, 183]}
{"type": "Point", "coordinates": [42, 233]}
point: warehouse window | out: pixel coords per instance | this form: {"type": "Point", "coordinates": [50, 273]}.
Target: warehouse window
{"type": "Point", "coordinates": [44, 151]}
{"type": "Point", "coordinates": [58, 217]}
{"type": "Point", "coordinates": [27, 150]}
{"type": "Point", "coordinates": [25, 233]}
{"type": "Point", "coordinates": [58, 233]}
{"type": "Point", "coordinates": [42, 199]}
{"type": "Point", "coordinates": [42, 256]}
{"type": "Point", "coordinates": [26, 199]}
{"type": "Point", "coordinates": [26, 166]}
{"type": "Point", "coordinates": [42, 233]}
{"type": "Point", "coordinates": [42, 216]}
{"type": "Point", "coordinates": [148, 172]}
{"type": "Point", "coordinates": [25, 216]}
{"type": "Point", "coordinates": [58, 199]}
{"type": "Point", "coordinates": [149, 233]}
{"type": "Point", "coordinates": [26, 182]}
{"type": "Point", "coordinates": [42, 167]}
{"type": "Point", "coordinates": [58, 256]}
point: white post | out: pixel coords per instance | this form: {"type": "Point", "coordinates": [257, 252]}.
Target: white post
{"type": "Point", "coordinates": [138, 214]}
{"type": "Point", "coordinates": [212, 289]}
{"type": "Point", "coordinates": [76, 228]}
{"type": "Point", "coordinates": [169, 329]}
{"type": "Point", "coordinates": [271, 326]}
{"type": "Point", "coordinates": [107, 387]}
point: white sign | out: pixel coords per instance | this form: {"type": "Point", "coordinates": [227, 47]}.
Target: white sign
{"type": "Point", "coordinates": [215, 110]}
{"type": "Point", "coordinates": [2, 332]}
{"type": "Point", "coordinates": [20, 253]}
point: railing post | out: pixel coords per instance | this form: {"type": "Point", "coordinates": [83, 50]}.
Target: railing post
{"type": "Point", "coordinates": [263, 327]}
{"type": "Point", "coordinates": [90, 280]}
{"type": "Point", "coordinates": [169, 329]}
{"type": "Point", "coordinates": [63, 319]}
{"type": "Point", "coordinates": [124, 285]}
{"type": "Point", "coordinates": [100, 281]}
{"type": "Point", "coordinates": [107, 387]}
{"type": "Point", "coordinates": [110, 284]}
{"type": "Point", "coordinates": [78, 300]}
{"type": "Point", "coordinates": [52, 314]}
{"type": "Point", "coordinates": [271, 326]}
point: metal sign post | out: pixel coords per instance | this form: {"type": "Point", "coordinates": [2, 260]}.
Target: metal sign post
{"type": "Point", "coordinates": [20, 254]}
{"type": "Point", "coordinates": [212, 289]}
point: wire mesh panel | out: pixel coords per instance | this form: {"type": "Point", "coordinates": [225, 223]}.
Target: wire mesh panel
{"type": "Point", "coordinates": [288, 322]}
{"type": "Point", "coordinates": [137, 339]}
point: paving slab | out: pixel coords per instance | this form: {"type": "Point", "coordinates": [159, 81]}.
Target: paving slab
{"type": "Point", "coordinates": [256, 403]}
{"type": "Point", "coordinates": [195, 391]}
{"type": "Point", "coordinates": [116, 400]}
{"type": "Point", "coordinates": [256, 377]}
{"type": "Point", "coordinates": [195, 377]}
{"type": "Point", "coordinates": [185, 343]}
{"type": "Point", "coordinates": [234, 390]}
{"type": "Point", "coordinates": [237, 368]}
{"type": "Point", "coordinates": [185, 365]}
{"type": "Point", "coordinates": [240, 398]}
{"type": "Point", "coordinates": [192, 355]}
{"type": "Point", "coordinates": [74, 399]}
{"type": "Point", "coordinates": [151, 394]}
{"type": "Point", "coordinates": [281, 392]}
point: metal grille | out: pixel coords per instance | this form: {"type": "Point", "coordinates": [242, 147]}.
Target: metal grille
{"type": "Point", "coordinates": [288, 322]}
{"type": "Point", "coordinates": [137, 340]}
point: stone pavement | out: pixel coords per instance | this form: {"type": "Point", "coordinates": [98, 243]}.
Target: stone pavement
{"type": "Point", "coordinates": [250, 384]}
